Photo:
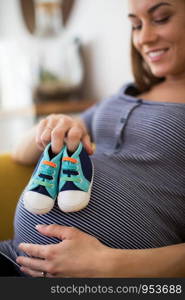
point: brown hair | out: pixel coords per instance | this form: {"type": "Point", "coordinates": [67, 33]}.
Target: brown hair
{"type": "Point", "coordinates": [144, 79]}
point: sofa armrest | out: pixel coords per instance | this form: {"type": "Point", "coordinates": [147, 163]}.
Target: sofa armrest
{"type": "Point", "coordinates": [13, 178]}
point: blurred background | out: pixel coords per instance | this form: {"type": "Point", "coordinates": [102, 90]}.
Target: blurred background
{"type": "Point", "coordinates": [58, 56]}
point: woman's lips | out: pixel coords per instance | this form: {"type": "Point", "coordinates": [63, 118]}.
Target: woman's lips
{"type": "Point", "coordinates": [156, 55]}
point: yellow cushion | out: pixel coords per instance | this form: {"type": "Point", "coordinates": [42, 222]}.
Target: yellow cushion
{"type": "Point", "coordinates": [13, 178]}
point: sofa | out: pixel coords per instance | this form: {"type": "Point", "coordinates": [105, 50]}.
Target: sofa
{"type": "Point", "coordinates": [13, 178]}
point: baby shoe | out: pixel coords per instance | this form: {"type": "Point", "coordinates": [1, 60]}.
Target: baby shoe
{"type": "Point", "coordinates": [42, 189]}
{"type": "Point", "coordinates": [75, 180]}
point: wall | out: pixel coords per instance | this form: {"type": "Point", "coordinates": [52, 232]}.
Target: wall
{"type": "Point", "coordinates": [105, 31]}
{"type": "Point", "coordinates": [13, 56]}
{"type": "Point", "coordinates": [103, 28]}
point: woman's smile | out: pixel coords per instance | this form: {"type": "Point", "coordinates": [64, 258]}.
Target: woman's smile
{"type": "Point", "coordinates": [156, 55]}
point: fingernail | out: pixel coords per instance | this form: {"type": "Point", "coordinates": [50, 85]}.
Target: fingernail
{"type": "Point", "coordinates": [40, 226]}
{"type": "Point", "coordinates": [23, 245]}
{"type": "Point", "coordinates": [90, 151]}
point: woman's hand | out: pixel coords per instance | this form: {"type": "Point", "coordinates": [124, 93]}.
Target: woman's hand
{"type": "Point", "coordinates": [58, 129]}
{"type": "Point", "coordinates": [81, 255]}
{"type": "Point", "coordinates": [78, 255]}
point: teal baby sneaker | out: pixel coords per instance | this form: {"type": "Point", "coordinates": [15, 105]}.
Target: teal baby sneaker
{"type": "Point", "coordinates": [42, 189]}
{"type": "Point", "coordinates": [75, 181]}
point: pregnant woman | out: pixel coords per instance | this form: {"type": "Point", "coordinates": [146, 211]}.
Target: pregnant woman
{"type": "Point", "coordinates": [134, 223]}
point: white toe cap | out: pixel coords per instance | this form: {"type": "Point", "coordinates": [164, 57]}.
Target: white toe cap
{"type": "Point", "coordinates": [37, 203]}
{"type": "Point", "coordinates": [71, 201]}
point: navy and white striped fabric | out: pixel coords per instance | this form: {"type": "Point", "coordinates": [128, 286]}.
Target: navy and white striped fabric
{"type": "Point", "coordinates": [138, 194]}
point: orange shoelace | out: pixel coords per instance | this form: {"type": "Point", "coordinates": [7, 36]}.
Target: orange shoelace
{"type": "Point", "coordinates": [73, 160]}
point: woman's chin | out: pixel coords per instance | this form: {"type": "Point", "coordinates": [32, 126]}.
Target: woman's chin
{"type": "Point", "coordinates": [162, 71]}
{"type": "Point", "coordinates": [159, 73]}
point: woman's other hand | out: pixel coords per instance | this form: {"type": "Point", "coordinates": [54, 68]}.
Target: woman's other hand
{"type": "Point", "coordinates": [78, 255]}
{"type": "Point", "coordinates": [59, 129]}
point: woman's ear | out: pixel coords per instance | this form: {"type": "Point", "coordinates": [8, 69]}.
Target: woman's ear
{"type": "Point", "coordinates": [28, 12]}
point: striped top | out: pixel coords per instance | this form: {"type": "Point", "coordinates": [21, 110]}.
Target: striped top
{"type": "Point", "coordinates": [138, 194]}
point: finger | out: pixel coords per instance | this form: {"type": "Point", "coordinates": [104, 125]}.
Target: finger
{"type": "Point", "coordinates": [61, 232]}
{"type": "Point", "coordinates": [31, 272]}
{"type": "Point", "coordinates": [35, 273]}
{"type": "Point", "coordinates": [58, 135]}
{"type": "Point", "coordinates": [87, 144]}
{"type": "Point", "coordinates": [51, 122]}
{"type": "Point", "coordinates": [31, 263]}
{"type": "Point", "coordinates": [46, 137]}
{"type": "Point", "coordinates": [34, 250]}
{"type": "Point", "coordinates": [47, 132]}
{"type": "Point", "coordinates": [73, 138]}
{"type": "Point", "coordinates": [45, 128]}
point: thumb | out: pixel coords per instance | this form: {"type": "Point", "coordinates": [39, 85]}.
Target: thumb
{"type": "Point", "coordinates": [58, 231]}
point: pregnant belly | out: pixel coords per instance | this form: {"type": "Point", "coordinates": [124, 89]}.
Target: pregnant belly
{"type": "Point", "coordinates": [119, 214]}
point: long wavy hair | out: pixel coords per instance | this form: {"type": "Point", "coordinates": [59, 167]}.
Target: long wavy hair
{"type": "Point", "coordinates": [144, 79]}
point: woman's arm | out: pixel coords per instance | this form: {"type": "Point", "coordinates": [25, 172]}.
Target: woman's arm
{"type": "Point", "coordinates": [81, 255]}
{"type": "Point", "coordinates": [166, 261]}
{"type": "Point", "coordinates": [27, 152]}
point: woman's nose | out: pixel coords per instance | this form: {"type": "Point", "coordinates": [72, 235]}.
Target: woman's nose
{"type": "Point", "coordinates": [147, 35]}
